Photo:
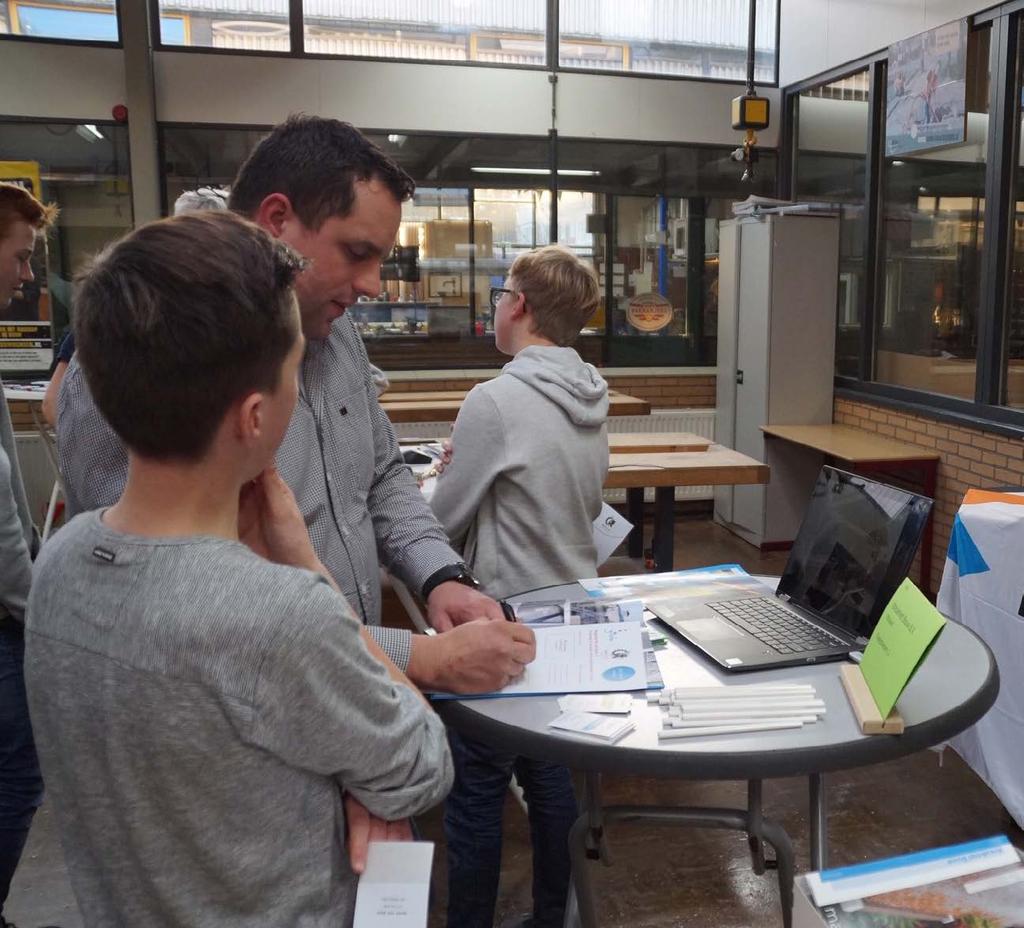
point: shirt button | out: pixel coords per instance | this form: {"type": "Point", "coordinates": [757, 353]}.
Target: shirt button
{"type": "Point", "coordinates": [328, 476]}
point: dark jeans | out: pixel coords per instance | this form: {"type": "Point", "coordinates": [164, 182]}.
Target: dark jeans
{"type": "Point", "coordinates": [472, 825]}
{"type": "Point", "coordinates": [21, 785]}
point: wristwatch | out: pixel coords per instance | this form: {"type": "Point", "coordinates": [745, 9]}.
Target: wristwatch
{"type": "Point", "coordinates": [460, 573]}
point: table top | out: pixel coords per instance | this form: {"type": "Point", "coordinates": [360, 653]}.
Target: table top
{"type": "Point", "coordinates": [652, 442]}
{"type": "Point", "coordinates": [435, 410]}
{"type": "Point", "coordinates": [850, 444]}
{"type": "Point", "coordinates": [955, 685]}
{"type": "Point", "coordinates": [32, 393]}
{"type": "Point", "coordinates": [717, 466]}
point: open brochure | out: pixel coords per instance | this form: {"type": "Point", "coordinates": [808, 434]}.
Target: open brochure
{"type": "Point", "coordinates": [584, 647]}
{"type": "Point", "coordinates": [980, 883]}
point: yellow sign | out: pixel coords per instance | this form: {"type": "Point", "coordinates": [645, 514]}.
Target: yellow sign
{"type": "Point", "coordinates": [649, 312]}
{"type": "Point", "coordinates": [24, 174]}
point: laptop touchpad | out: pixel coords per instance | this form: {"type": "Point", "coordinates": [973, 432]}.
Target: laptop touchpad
{"type": "Point", "coordinates": [709, 629]}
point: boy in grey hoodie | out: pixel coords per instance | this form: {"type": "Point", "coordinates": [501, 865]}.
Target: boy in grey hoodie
{"type": "Point", "coordinates": [518, 499]}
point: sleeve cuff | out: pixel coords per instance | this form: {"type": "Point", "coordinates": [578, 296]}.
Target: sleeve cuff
{"type": "Point", "coordinates": [425, 559]}
{"type": "Point", "coordinates": [396, 643]}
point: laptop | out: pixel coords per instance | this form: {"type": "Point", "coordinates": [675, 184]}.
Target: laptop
{"type": "Point", "coordinates": [854, 548]}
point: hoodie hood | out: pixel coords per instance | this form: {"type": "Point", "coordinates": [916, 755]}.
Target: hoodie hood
{"type": "Point", "coordinates": [566, 379]}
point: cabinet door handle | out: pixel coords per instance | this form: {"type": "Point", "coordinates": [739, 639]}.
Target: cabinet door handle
{"type": "Point", "coordinates": [739, 376]}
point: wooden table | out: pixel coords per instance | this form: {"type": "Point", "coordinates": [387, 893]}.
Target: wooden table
{"type": "Point", "coordinates": [656, 442]}
{"type": "Point", "coordinates": [445, 410]}
{"type": "Point", "coordinates": [877, 457]}
{"type": "Point", "coordinates": [665, 471]}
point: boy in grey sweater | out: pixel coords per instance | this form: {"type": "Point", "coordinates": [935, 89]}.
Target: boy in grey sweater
{"type": "Point", "coordinates": [519, 497]}
{"type": "Point", "coordinates": [210, 715]}
{"type": "Point", "coordinates": [23, 220]}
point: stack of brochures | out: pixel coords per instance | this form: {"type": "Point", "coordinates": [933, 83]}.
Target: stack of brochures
{"type": "Point", "coordinates": [698, 711]}
{"type": "Point", "coordinates": [598, 727]}
{"type": "Point", "coordinates": [975, 885]}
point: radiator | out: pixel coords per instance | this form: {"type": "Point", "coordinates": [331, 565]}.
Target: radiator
{"type": "Point", "coordinates": [699, 421]}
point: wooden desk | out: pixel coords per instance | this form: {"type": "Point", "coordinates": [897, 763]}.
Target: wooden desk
{"type": "Point", "coordinates": [656, 442]}
{"type": "Point", "coordinates": [665, 471]}
{"type": "Point", "coordinates": [445, 410]}
{"type": "Point", "coordinates": [877, 457]}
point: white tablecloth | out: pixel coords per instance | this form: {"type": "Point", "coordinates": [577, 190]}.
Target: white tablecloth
{"type": "Point", "coordinates": [983, 588]}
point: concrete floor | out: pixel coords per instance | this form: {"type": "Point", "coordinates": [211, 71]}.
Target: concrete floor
{"type": "Point", "coordinates": [663, 876]}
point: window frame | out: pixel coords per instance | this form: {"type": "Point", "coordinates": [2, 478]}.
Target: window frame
{"type": "Point", "coordinates": [985, 410]}
{"type": "Point", "coordinates": [296, 19]}
{"type": "Point", "coordinates": [77, 43]}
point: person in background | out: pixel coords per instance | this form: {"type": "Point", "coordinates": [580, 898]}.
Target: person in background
{"type": "Point", "coordinates": [189, 201]}
{"type": "Point", "coordinates": [518, 498]}
{"type": "Point", "coordinates": [209, 710]}
{"type": "Point", "coordinates": [22, 220]}
{"type": "Point", "coordinates": [321, 187]}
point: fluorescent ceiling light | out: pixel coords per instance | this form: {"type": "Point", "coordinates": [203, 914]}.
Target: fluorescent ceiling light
{"type": "Point", "coordinates": [562, 172]}
{"type": "Point", "coordinates": [898, 164]}
{"type": "Point", "coordinates": [89, 132]}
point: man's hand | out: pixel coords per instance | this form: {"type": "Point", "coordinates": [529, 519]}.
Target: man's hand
{"type": "Point", "coordinates": [363, 827]}
{"type": "Point", "coordinates": [478, 657]}
{"type": "Point", "coordinates": [447, 450]}
{"type": "Point", "coordinates": [270, 523]}
{"type": "Point", "coordinates": [452, 603]}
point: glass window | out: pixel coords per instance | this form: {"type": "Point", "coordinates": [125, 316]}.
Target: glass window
{"type": "Point", "coordinates": [677, 38]}
{"type": "Point", "coordinates": [932, 237]}
{"type": "Point", "coordinates": [830, 162]}
{"type": "Point", "coordinates": [234, 24]}
{"type": "Point", "coordinates": [84, 170]}
{"type": "Point", "coordinates": [469, 30]}
{"type": "Point", "coordinates": [666, 203]}
{"type": "Point", "coordinates": [94, 21]}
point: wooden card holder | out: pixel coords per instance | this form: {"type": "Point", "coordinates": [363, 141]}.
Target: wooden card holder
{"type": "Point", "coordinates": [863, 704]}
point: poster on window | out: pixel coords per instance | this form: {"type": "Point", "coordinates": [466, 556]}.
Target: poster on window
{"type": "Point", "coordinates": [926, 91]}
{"type": "Point", "coordinates": [26, 338]}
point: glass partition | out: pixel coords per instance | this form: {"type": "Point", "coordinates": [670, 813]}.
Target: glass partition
{"type": "Point", "coordinates": [830, 164]}
{"type": "Point", "coordinates": [932, 235]}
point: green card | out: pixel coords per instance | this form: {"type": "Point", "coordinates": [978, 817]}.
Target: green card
{"type": "Point", "coordinates": [905, 632]}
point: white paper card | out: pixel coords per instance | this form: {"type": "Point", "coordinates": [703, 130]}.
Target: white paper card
{"type": "Point", "coordinates": [601, 703]}
{"type": "Point", "coordinates": [394, 889]}
{"type": "Point", "coordinates": [593, 726]}
{"type": "Point", "coordinates": [610, 529]}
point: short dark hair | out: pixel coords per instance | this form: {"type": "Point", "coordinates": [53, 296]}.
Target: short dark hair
{"type": "Point", "coordinates": [177, 321]}
{"type": "Point", "coordinates": [315, 162]}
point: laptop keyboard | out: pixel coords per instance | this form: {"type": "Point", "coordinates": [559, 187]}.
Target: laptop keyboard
{"type": "Point", "coordinates": [774, 625]}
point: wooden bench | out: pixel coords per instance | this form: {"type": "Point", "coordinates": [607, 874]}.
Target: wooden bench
{"type": "Point", "coordinates": [445, 410]}
{"type": "Point", "coordinates": [873, 456]}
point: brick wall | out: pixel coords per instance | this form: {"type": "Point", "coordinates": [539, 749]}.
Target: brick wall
{"type": "Point", "coordinates": [969, 458]}
{"type": "Point", "coordinates": [674, 392]}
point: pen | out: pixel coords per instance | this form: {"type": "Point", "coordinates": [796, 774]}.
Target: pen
{"type": "Point", "coordinates": [510, 614]}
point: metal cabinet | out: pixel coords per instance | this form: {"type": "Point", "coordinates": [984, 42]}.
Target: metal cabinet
{"type": "Point", "coordinates": [776, 360]}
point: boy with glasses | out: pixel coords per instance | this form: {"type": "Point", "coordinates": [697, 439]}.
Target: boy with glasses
{"type": "Point", "coordinates": [518, 499]}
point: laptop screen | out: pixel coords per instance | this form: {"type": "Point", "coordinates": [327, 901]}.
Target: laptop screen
{"type": "Point", "coordinates": [854, 548]}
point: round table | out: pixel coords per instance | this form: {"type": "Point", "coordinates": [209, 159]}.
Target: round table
{"type": "Point", "coordinates": [955, 685]}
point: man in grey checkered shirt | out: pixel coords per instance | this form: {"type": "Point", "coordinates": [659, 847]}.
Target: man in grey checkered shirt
{"type": "Point", "coordinates": [321, 187]}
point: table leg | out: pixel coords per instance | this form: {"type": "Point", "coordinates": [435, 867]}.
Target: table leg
{"type": "Point", "coordinates": [635, 514]}
{"type": "Point", "coordinates": [819, 822]}
{"type": "Point", "coordinates": [664, 527]}
{"type": "Point", "coordinates": [734, 819]}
